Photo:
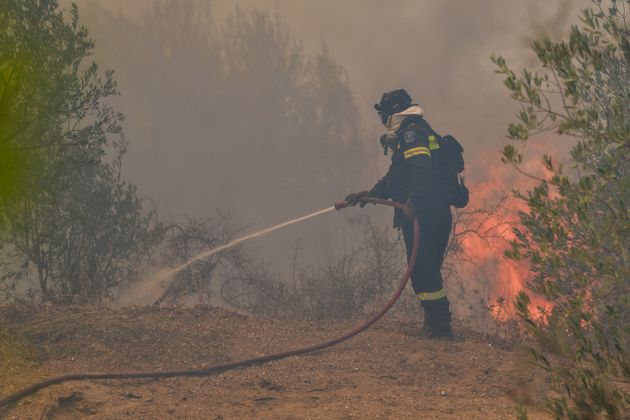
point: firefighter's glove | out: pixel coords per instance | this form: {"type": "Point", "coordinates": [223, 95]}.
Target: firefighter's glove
{"type": "Point", "coordinates": [353, 199]}
{"type": "Point", "coordinates": [408, 211]}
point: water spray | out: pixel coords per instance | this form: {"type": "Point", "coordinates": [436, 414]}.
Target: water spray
{"type": "Point", "coordinates": [143, 289]}
{"type": "Point", "coordinates": [208, 370]}
{"type": "Point", "coordinates": [235, 242]}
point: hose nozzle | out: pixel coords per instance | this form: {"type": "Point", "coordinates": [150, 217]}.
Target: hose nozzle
{"type": "Point", "coordinates": [341, 205]}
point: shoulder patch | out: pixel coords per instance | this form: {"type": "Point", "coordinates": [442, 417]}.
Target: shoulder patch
{"type": "Point", "coordinates": [409, 137]}
{"type": "Point", "coordinates": [433, 143]}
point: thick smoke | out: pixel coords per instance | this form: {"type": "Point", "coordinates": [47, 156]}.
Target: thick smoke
{"type": "Point", "coordinates": [208, 131]}
{"type": "Point", "coordinates": [439, 51]}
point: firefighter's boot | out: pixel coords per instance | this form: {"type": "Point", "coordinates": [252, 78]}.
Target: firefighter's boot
{"type": "Point", "coordinates": [426, 330]}
{"type": "Point", "coordinates": [437, 318]}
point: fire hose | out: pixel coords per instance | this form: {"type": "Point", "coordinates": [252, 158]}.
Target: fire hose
{"type": "Point", "coordinates": [204, 371]}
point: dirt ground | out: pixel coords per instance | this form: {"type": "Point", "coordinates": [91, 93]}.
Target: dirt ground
{"type": "Point", "coordinates": [389, 371]}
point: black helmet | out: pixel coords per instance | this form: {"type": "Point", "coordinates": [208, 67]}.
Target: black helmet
{"type": "Point", "coordinates": [392, 103]}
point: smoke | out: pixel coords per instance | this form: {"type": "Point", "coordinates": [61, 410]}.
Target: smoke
{"type": "Point", "coordinates": [207, 134]}
{"type": "Point", "coordinates": [438, 51]}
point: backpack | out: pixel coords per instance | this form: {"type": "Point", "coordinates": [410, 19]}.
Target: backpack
{"type": "Point", "coordinates": [451, 165]}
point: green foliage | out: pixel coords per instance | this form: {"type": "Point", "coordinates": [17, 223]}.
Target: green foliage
{"type": "Point", "coordinates": [576, 232]}
{"type": "Point", "coordinates": [67, 217]}
{"type": "Point", "coordinates": [41, 85]}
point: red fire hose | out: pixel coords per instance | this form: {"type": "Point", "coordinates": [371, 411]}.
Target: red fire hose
{"type": "Point", "coordinates": [242, 363]}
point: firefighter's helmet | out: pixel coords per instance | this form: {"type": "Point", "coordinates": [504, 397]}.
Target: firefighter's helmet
{"type": "Point", "coordinates": [392, 103]}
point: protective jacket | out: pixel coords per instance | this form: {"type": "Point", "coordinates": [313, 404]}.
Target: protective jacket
{"type": "Point", "coordinates": [412, 175]}
{"type": "Point", "coordinates": [413, 178]}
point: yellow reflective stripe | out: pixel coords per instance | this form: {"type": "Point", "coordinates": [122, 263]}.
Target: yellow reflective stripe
{"type": "Point", "coordinates": [432, 295]}
{"type": "Point", "coordinates": [417, 151]}
{"type": "Point", "coordinates": [433, 143]}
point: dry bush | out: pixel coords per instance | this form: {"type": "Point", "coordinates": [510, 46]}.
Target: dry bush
{"type": "Point", "coordinates": [358, 280]}
{"type": "Point", "coordinates": [185, 240]}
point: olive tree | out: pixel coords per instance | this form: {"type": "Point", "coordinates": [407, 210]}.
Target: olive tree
{"type": "Point", "coordinates": [68, 219]}
{"type": "Point", "coordinates": [576, 230]}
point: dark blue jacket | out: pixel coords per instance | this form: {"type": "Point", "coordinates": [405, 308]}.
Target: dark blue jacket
{"type": "Point", "coordinates": [412, 176]}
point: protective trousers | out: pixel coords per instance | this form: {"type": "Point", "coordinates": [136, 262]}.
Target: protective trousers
{"type": "Point", "coordinates": [426, 278]}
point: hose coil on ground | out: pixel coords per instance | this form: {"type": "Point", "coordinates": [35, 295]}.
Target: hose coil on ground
{"type": "Point", "coordinates": [247, 362]}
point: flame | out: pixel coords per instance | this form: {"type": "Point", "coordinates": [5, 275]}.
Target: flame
{"type": "Point", "coordinates": [487, 232]}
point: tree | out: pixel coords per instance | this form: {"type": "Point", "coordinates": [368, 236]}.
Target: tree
{"type": "Point", "coordinates": [576, 231]}
{"type": "Point", "coordinates": [44, 86]}
{"type": "Point", "coordinates": [67, 215]}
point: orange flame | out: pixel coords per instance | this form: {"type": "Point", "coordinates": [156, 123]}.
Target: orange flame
{"type": "Point", "coordinates": [489, 233]}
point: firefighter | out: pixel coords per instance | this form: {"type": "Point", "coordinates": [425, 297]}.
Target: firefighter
{"type": "Point", "coordinates": [412, 179]}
